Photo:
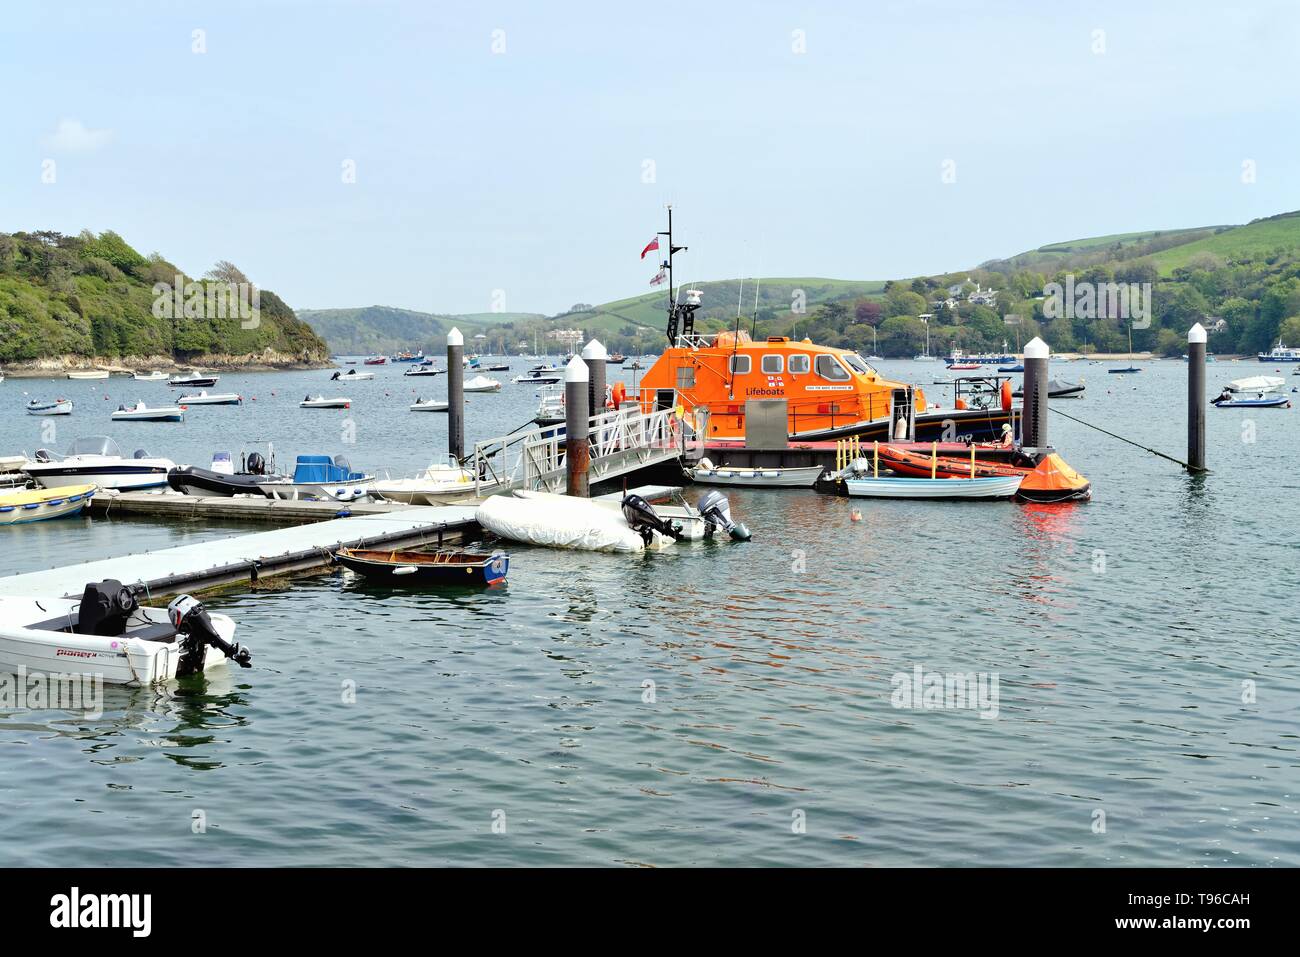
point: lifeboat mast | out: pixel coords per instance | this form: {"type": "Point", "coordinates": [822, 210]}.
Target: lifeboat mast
{"type": "Point", "coordinates": [681, 315]}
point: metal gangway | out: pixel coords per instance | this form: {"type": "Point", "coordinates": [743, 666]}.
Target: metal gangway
{"type": "Point", "coordinates": [620, 442]}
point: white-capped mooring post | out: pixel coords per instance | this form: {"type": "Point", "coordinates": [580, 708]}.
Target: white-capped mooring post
{"type": "Point", "coordinates": [456, 394]}
{"type": "Point", "coordinates": [594, 354]}
{"type": "Point", "coordinates": [1033, 415]}
{"type": "Point", "coordinates": [577, 454]}
{"type": "Point", "coordinates": [1196, 398]}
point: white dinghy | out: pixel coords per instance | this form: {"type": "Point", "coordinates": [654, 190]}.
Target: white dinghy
{"type": "Point", "coordinates": [143, 413]}
{"type": "Point", "coordinates": [429, 405]}
{"type": "Point", "coordinates": [438, 483]}
{"type": "Point", "coordinates": [108, 633]}
{"type": "Point", "coordinates": [706, 473]}
{"type": "Point", "coordinates": [211, 398]}
{"type": "Point", "coordinates": [320, 402]}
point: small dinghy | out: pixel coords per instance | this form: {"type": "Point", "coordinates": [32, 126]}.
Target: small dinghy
{"type": "Point", "coordinates": [107, 634]}
{"type": "Point", "coordinates": [352, 375]}
{"type": "Point", "coordinates": [481, 383]}
{"type": "Point", "coordinates": [426, 568]}
{"type": "Point", "coordinates": [43, 407]}
{"type": "Point", "coordinates": [1126, 370]}
{"type": "Point", "coordinates": [320, 402]}
{"type": "Point", "coordinates": [917, 465]}
{"type": "Point", "coordinates": [89, 374]}
{"type": "Point", "coordinates": [992, 487]}
{"type": "Point", "coordinates": [706, 473]}
{"type": "Point", "coordinates": [151, 376]}
{"type": "Point", "coordinates": [558, 521]}
{"type": "Point", "coordinates": [1253, 392]}
{"type": "Point", "coordinates": [429, 405]}
{"type": "Point", "coordinates": [34, 505]}
{"type": "Point", "coordinates": [143, 413]}
{"type": "Point", "coordinates": [214, 398]}
{"type": "Point", "coordinates": [498, 368]}
{"type": "Point", "coordinates": [193, 381]}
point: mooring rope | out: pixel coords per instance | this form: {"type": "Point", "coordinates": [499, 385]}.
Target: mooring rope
{"type": "Point", "coordinates": [1189, 467]}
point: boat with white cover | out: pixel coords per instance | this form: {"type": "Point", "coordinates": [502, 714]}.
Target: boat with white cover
{"type": "Point", "coordinates": [45, 407]}
{"type": "Point", "coordinates": [211, 398]}
{"type": "Point", "coordinates": [96, 459]}
{"type": "Point", "coordinates": [107, 634]}
{"type": "Point", "coordinates": [320, 402]}
{"type": "Point", "coordinates": [481, 383]}
{"type": "Point", "coordinates": [706, 473]}
{"type": "Point", "coordinates": [143, 413]}
{"type": "Point", "coordinates": [352, 375]}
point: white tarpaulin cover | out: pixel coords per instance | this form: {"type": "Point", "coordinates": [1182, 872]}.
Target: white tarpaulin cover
{"type": "Point", "coordinates": [558, 521]}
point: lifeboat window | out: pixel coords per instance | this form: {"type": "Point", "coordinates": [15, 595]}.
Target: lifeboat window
{"type": "Point", "coordinates": [799, 364]}
{"type": "Point", "coordinates": [773, 363]}
{"type": "Point", "coordinates": [740, 364]}
{"type": "Point", "coordinates": [855, 363]}
{"type": "Point", "coordinates": [828, 368]}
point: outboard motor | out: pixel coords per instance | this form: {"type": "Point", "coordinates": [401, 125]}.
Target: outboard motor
{"type": "Point", "coordinates": [334, 377]}
{"type": "Point", "coordinates": [191, 619]}
{"type": "Point", "coordinates": [645, 521]}
{"type": "Point", "coordinates": [105, 608]}
{"type": "Point", "coordinates": [716, 511]}
{"type": "Point", "coordinates": [256, 464]}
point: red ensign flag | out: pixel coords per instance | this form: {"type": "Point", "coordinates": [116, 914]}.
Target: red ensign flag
{"type": "Point", "coordinates": [654, 244]}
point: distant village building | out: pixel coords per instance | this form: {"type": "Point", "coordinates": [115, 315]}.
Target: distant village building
{"type": "Point", "coordinates": [567, 336]}
{"type": "Point", "coordinates": [983, 297]}
{"type": "Point", "coordinates": [1215, 323]}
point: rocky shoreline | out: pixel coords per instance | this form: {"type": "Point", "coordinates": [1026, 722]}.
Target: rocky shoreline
{"type": "Point", "coordinates": [267, 361]}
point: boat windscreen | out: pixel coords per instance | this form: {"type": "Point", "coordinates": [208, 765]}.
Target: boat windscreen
{"type": "Point", "coordinates": [94, 445]}
{"type": "Point", "coordinates": [856, 364]}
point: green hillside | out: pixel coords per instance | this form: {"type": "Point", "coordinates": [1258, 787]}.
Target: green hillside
{"type": "Point", "coordinates": [93, 296]}
{"type": "Point", "coordinates": [1276, 237]}
{"type": "Point", "coordinates": [371, 330]}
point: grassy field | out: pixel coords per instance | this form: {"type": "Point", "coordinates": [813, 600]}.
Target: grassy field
{"type": "Point", "coordinates": [1253, 241]}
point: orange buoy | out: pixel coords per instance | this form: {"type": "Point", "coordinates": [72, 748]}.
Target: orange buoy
{"type": "Point", "coordinates": [855, 516]}
{"type": "Point", "coordinates": [618, 394]}
{"type": "Point", "coordinates": [959, 404]}
{"type": "Point", "coordinates": [1006, 396]}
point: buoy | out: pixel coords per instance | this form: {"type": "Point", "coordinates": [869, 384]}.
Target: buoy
{"type": "Point", "coordinates": [855, 516]}
{"type": "Point", "coordinates": [1006, 396]}
{"type": "Point", "coordinates": [959, 404]}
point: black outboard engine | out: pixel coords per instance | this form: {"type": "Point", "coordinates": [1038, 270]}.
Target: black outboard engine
{"type": "Point", "coordinates": [645, 521]}
{"type": "Point", "coordinates": [191, 619]}
{"type": "Point", "coordinates": [716, 511]}
{"type": "Point", "coordinates": [334, 377]}
{"type": "Point", "coordinates": [105, 608]}
{"type": "Point", "coordinates": [255, 464]}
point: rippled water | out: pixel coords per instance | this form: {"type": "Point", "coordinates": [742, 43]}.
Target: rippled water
{"type": "Point", "coordinates": [1121, 633]}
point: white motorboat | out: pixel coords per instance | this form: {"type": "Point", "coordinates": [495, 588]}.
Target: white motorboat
{"type": "Point", "coordinates": [429, 405]}
{"type": "Point", "coordinates": [481, 383]}
{"type": "Point", "coordinates": [89, 374]}
{"type": "Point", "coordinates": [422, 370]}
{"type": "Point", "coordinates": [193, 380]}
{"type": "Point", "coordinates": [152, 376]}
{"type": "Point", "coordinates": [432, 486]}
{"type": "Point", "coordinates": [107, 634]}
{"type": "Point", "coordinates": [211, 398]}
{"type": "Point", "coordinates": [539, 378]}
{"type": "Point", "coordinates": [139, 412]}
{"type": "Point", "coordinates": [352, 375]}
{"type": "Point", "coordinates": [320, 402]}
{"type": "Point", "coordinates": [706, 473]}
{"type": "Point", "coordinates": [320, 477]}
{"type": "Point", "coordinates": [97, 460]}
{"type": "Point", "coordinates": [44, 407]}
{"type": "Point", "coordinates": [550, 411]}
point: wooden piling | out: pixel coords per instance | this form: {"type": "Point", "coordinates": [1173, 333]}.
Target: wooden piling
{"type": "Point", "coordinates": [1196, 337]}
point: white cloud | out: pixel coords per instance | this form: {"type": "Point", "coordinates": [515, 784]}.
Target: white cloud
{"type": "Point", "coordinates": [72, 136]}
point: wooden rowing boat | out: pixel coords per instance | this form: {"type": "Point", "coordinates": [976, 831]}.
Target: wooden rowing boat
{"type": "Point", "coordinates": [426, 568]}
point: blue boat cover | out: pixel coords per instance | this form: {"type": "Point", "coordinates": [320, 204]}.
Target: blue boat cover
{"type": "Point", "coordinates": [319, 468]}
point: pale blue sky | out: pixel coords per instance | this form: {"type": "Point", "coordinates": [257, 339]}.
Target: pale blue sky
{"type": "Point", "coordinates": [522, 171]}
